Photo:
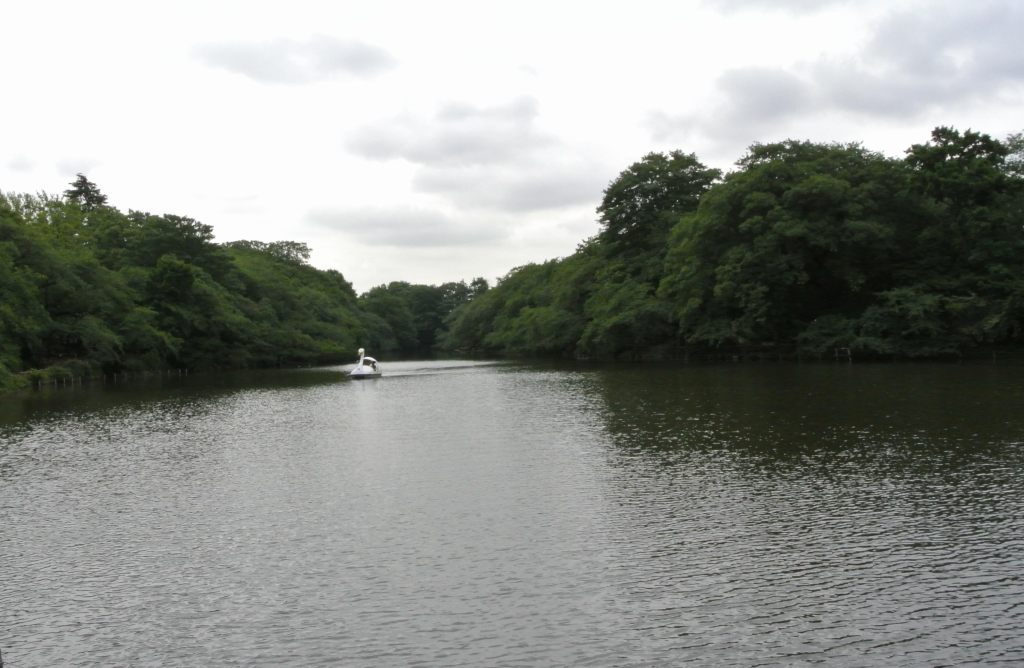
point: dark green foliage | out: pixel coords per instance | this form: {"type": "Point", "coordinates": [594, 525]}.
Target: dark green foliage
{"type": "Point", "coordinates": [85, 194]}
{"type": "Point", "coordinates": [296, 314]}
{"type": "Point", "coordinates": [624, 316]}
{"type": "Point", "coordinates": [534, 310]}
{"type": "Point", "coordinates": [414, 316]}
{"type": "Point", "coordinates": [86, 289]}
{"type": "Point", "coordinates": [398, 329]}
{"type": "Point", "coordinates": [645, 201]}
{"type": "Point", "coordinates": [806, 247]}
{"type": "Point", "coordinates": [289, 251]}
{"type": "Point", "coordinates": [802, 231]}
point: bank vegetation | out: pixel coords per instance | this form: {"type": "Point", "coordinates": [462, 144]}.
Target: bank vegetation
{"type": "Point", "coordinates": [804, 249]}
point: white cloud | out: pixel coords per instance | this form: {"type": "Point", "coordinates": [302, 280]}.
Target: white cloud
{"type": "Point", "coordinates": [458, 134]}
{"type": "Point", "coordinates": [286, 61]}
{"type": "Point", "coordinates": [405, 227]}
{"type": "Point", "coordinates": [514, 190]}
{"type": "Point", "coordinates": [71, 166]}
{"type": "Point", "coordinates": [953, 56]}
{"type": "Point", "coordinates": [20, 163]}
{"type": "Point", "coordinates": [494, 158]}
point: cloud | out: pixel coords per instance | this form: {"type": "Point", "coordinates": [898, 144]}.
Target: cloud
{"type": "Point", "coordinates": [795, 6]}
{"type": "Point", "coordinates": [762, 96]}
{"type": "Point", "coordinates": [751, 100]}
{"type": "Point", "coordinates": [515, 190]}
{"type": "Point", "coordinates": [286, 61]}
{"type": "Point", "coordinates": [952, 55]}
{"type": "Point", "coordinates": [20, 163]}
{"type": "Point", "coordinates": [73, 166]}
{"type": "Point", "coordinates": [485, 158]}
{"type": "Point", "coordinates": [404, 227]}
{"type": "Point", "coordinates": [458, 134]}
{"type": "Point", "coordinates": [914, 60]}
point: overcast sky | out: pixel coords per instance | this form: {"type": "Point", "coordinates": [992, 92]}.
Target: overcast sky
{"type": "Point", "coordinates": [437, 141]}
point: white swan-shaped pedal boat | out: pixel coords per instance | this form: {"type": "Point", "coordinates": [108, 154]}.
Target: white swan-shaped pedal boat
{"type": "Point", "coordinates": [366, 367]}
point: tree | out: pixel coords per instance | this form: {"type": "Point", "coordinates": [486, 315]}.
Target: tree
{"type": "Point", "coordinates": [801, 231]}
{"type": "Point", "coordinates": [23, 318]}
{"type": "Point", "coordinates": [290, 251]}
{"type": "Point", "coordinates": [477, 287]}
{"type": "Point", "coordinates": [84, 193]}
{"type": "Point", "coordinates": [536, 309]}
{"type": "Point", "coordinates": [624, 316]}
{"type": "Point", "coordinates": [394, 311]}
{"type": "Point", "coordinates": [646, 200]}
{"type": "Point", "coordinates": [960, 170]}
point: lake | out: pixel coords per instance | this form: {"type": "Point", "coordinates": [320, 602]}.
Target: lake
{"type": "Point", "coordinates": [458, 513]}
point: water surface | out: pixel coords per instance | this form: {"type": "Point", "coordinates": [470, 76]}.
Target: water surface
{"type": "Point", "coordinates": [468, 514]}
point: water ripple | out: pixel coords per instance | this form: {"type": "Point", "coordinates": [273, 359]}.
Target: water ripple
{"type": "Point", "coordinates": [467, 515]}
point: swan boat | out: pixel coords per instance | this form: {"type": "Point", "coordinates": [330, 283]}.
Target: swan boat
{"type": "Point", "coordinates": [367, 367]}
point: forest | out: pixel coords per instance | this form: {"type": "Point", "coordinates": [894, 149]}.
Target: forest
{"type": "Point", "coordinates": [804, 249]}
{"type": "Point", "coordinates": [86, 291]}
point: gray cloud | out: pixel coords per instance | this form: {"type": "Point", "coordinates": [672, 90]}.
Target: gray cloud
{"type": "Point", "coordinates": [753, 100]}
{"type": "Point", "coordinates": [852, 88]}
{"type": "Point", "coordinates": [458, 134]}
{"type": "Point", "coordinates": [491, 158]}
{"type": "Point", "coordinates": [953, 54]}
{"type": "Point", "coordinates": [516, 191]}
{"type": "Point", "coordinates": [286, 61]}
{"type": "Point", "coordinates": [759, 95]}
{"type": "Point", "coordinates": [405, 227]}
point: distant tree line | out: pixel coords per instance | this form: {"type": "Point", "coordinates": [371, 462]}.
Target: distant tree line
{"type": "Point", "coordinates": [87, 290]}
{"type": "Point", "coordinates": [804, 247]}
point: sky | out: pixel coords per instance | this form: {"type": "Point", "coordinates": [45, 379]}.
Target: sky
{"type": "Point", "coordinates": [440, 141]}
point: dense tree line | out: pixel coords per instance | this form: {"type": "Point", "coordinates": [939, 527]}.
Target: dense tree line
{"type": "Point", "coordinates": [804, 247]}
{"type": "Point", "coordinates": [86, 290]}
{"type": "Point", "coordinates": [412, 316]}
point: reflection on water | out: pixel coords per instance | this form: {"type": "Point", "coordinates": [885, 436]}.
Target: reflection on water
{"type": "Point", "coordinates": [845, 512]}
{"type": "Point", "coordinates": [457, 513]}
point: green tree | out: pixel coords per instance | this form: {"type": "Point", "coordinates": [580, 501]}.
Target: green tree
{"type": "Point", "coordinates": [646, 200]}
{"type": "Point", "coordinates": [84, 193]}
{"type": "Point", "coordinates": [185, 238]}
{"type": "Point", "coordinates": [393, 310]}
{"type": "Point", "coordinates": [23, 318]}
{"type": "Point", "coordinates": [536, 309]}
{"type": "Point", "coordinates": [802, 230]}
{"type": "Point", "coordinates": [477, 287]}
{"type": "Point", "coordinates": [624, 316]}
